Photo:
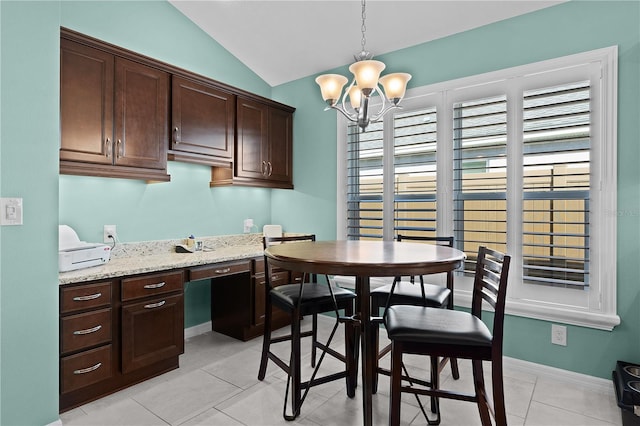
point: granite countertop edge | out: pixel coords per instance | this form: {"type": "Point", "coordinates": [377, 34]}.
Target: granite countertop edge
{"type": "Point", "coordinates": [139, 258]}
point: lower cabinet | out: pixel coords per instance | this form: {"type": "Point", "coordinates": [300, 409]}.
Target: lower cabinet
{"type": "Point", "coordinates": [114, 334]}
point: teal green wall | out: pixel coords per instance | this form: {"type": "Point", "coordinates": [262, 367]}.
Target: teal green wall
{"type": "Point", "coordinates": [29, 142]}
{"type": "Point", "coordinates": [28, 169]}
{"type": "Point", "coordinates": [565, 29]}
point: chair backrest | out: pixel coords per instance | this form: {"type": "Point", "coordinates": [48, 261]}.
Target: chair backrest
{"type": "Point", "coordinates": [490, 285]}
{"type": "Point", "coordinates": [448, 241]}
{"type": "Point", "coordinates": [445, 241]}
{"type": "Point", "coordinates": [269, 241]}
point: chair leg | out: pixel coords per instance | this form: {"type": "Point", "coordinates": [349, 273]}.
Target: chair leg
{"type": "Point", "coordinates": [455, 372]}
{"type": "Point", "coordinates": [498, 392]}
{"type": "Point", "coordinates": [314, 339]}
{"type": "Point", "coordinates": [435, 384]}
{"type": "Point", "coordinates": [481, 394]}
{"type": "Point", "coordinates": [396, 381]}
{"type": "Point", "coordinates": [266, 341]}
{"type": "Point", "coordinates": [375, 343]}
{"type": "Point", "coordinates": [295, 374]}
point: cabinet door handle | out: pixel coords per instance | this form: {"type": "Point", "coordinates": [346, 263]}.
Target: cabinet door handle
{"type": "Point", "coordinates": [88, 330]}
{"type": "Point", "coordinates": [270, 168]}
{"type": "Point", "coordinates": [176, 135]}
{"type": "Point", "coordinates": [222, 271]}
{"type": "Point", "coordinates": [108, 148]}
{"type": "Point", "coordinates": [88, 297]}
{"type": "Point", "coordinates": [88, 369]}
{"type": "Point", "coordinates": [264, 167]}
{"type": "Point", "coordinates": [120, 149]}
{"type": "Point", "coordinates": [154, 305]}
{"type": "Point", "coordinates": [158, 285]}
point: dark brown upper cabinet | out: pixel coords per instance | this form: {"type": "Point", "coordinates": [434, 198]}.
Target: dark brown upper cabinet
{"type": "Point", "coordinates": [264, 145]}
{"type": "Point", "coordinates": [203, 118]}
{"type": "Point", "coordinates": [113, 115]}
{"type": "Point", "coordinates": [123, 115]}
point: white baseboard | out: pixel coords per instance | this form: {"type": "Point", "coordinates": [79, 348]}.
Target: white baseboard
{"type": "Point", "coordinates": [596, 384]}
{"type": "Point", "coordinates": [196, 330]}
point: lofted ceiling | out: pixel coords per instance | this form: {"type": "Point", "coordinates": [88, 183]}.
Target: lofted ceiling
{"type": "Point", "coordinates": [282, 41]}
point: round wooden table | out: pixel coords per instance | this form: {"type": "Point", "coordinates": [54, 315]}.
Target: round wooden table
{"type": "Point", "coordinates": [365, 259]}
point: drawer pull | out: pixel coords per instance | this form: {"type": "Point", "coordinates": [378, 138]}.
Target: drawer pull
{"type": "Point", "coordinates": [154, 305]}
{"type": "Point", "coordinates": [88, 330]}
{"type": "Point", "coordinates": [88, 369]}
{"type": "Point", "coordinates": [88, 297]}
{"type": "Point", "coordinates": [158, 285]}
{"type": "Point", "coordinates": [222, 271]}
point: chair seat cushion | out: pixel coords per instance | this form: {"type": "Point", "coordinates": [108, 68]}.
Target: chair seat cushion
{"type": "Point", "coordinates": [407, 293]}
{"type": "Point", "coordinates": [286, 296]}
{"type": "Point", "coordinates": [436, 326]}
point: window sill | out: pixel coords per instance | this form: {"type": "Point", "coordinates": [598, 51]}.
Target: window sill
{"type": "Point", "coordinates": [556, 313]}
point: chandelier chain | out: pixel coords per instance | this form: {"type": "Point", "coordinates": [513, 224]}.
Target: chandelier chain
{"type": "Point", "coordinates": [364, 27]}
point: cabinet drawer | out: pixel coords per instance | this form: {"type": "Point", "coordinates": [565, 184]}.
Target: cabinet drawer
{"type": "Point", "coordinates": [85, 330]}
{"type": "Point", "coordinates": [219, 270]}
{"type": "Point", "coordinates": [87, 296]}
{"type": "Point", "coordinates": [150, 285]}
{"type": "Point", "coordinates": [85, 368]}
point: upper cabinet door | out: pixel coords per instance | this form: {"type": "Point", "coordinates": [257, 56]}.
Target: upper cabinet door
{"type": "Point", "coordinates": [141, 115]}
{"type": "Point", "coordinates": [203, 119]}
{"type": "Point", "coordinates": [251, 160]}
{"type": "Point", "coordinates": [86, 104]}
{"type": "Point", "coordinates": [280, 145]}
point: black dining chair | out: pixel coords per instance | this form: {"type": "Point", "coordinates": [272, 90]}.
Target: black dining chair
{"type": "Point", "coordinates": [408, 292]}
{"type": "Point", "coordinates": [455, 334]}
{"type": "Point", "coordinates": [308, 297]}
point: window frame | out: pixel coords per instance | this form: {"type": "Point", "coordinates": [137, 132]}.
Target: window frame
{"type": "Point", "coordinates": [598, 309]}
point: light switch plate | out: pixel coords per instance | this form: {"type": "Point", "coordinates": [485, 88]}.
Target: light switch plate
{"type": "Point", "coordinates": [10, 211]}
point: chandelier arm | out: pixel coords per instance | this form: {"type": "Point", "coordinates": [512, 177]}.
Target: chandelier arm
{"type": "Point", "coordinates": [347, 114]}
{"type": "Point", "coordinates": [389, 107]}
{"type": "Point", "coordinates": [384, 107]}
{"type": "Point", "coordinates": [354, 113]}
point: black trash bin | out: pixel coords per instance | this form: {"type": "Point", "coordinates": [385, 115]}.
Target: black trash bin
{"type": "Point", "coordinates": [626, 381]}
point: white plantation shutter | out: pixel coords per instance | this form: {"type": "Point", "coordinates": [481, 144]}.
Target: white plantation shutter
{"type": "Point", "coordinates": [556, 185]}
{"type": "Point", "coordinates": [364, 182]}
{"type": "Point", "coordinates": [479, 175]}
{"type": "Point", "coordinates": [414, 140]}
{"type": "Point", "coordinates": [522, 160]}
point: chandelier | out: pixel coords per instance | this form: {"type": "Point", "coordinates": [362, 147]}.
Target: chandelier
{"type": "Point", "coordinates": [365, 83]}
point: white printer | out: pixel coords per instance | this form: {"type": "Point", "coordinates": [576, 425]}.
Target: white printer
{"type": "Point", "coordinates": [75, 254]}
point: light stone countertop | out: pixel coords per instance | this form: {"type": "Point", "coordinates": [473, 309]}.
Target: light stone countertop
{"type": "Point", "coordinates": [152, 256]}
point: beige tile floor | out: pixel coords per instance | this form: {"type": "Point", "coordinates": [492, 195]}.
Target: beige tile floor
{"type": "Point", "coordinates": [217, 384]}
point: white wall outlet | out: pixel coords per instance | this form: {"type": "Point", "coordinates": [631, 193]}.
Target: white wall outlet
{"type": "Point", "coordinates": [10, 211]}
{"type": "Point", "coordinates": [109, 230]}
{"type": "Point", "coordinates": [248, 225]}
{"type": "Point", "coordinates": [559, 334]}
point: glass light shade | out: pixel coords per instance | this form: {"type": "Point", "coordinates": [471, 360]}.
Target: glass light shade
{"type": "Point", "coordinates": [355, 96]}
{"type": "Point", "coordinates": [367, 74]}
{"type": "Point", "coordinates": [395, 85]}
{"type": "Point", "coordinates": [331, 86]}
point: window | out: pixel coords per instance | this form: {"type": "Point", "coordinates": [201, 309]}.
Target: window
{"type": "Point", "coordinates": [522, 160]}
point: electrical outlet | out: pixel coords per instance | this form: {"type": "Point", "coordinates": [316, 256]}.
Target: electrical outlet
{"type": "Point", "coordinates": [109, 230]}
{"type": "Point", "coordinates": [558, 334]}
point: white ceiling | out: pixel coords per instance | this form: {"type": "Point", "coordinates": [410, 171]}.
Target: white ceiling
{"type": "Point", "coordinates": [282, 41]}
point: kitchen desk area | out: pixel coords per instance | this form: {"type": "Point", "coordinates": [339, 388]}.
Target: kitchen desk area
{"type": "Point", "coordinates": [123, 322]}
